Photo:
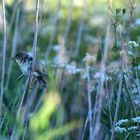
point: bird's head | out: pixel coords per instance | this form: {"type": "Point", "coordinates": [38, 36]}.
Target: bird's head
{"type": "Point", "coordinates": [19, 57]}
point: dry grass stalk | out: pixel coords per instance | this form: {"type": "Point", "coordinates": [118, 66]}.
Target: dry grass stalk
{"type": "Point", "coordinates": [3, 57]}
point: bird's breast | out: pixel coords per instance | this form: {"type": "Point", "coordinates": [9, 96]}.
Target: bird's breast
{"type": "Point", "coordinates": [25, 68]}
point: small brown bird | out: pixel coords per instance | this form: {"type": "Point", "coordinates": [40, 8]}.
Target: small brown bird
{"type": "Point", "coordinates": [25, 61]}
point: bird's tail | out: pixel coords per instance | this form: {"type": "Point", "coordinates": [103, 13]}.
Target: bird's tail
{"type": "Point", "coordinates": [43, 82]}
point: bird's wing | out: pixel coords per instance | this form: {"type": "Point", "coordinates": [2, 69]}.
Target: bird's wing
{"type": "Point", "coordinates": [40, 69]}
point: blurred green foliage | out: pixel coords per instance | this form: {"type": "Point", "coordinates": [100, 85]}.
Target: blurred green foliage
{"type": "Point", "coordinates": [77, 27]}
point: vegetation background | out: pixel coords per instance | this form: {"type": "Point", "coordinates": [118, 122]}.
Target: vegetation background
{"type": "Point", "coordinates": [91, 52]}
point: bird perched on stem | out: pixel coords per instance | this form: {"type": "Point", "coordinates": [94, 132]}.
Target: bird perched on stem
{"type": "Point", "coordinates": [25, 61]}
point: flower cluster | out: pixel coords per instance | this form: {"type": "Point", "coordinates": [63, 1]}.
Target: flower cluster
{"type": "Point", "coordinates": [133, 44]}
{"type": "Point", "coordinates": [90, 59]}
{"type": "Point", "coordinates": [133, 48]}
{"type": "Point", "coordinates": [72, 69]}
{"type": "Point", "coordinates": [127, 125]}
{"type": "Point", "coordinates": [119, 129]}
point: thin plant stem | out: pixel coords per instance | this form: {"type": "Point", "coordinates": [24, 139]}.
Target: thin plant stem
{"type": "Point", "coordinates": [29, 80]}
{"type": "Point", "coordinates": [109, 107]}
{"type": "Point", "coordinates": [123, 63]}
{"type": "Point", "coordinates": [34, 55]}
{"type": "Point", "coordinates": [14, 46]}
{"type": "Point", "coordinates": [3, 57]}
{"type": "Point", "coordinates": [29, 103]}
{"type": "Point", "coordinates": [2, 120]}
{"type": "Point", "coordinates": [85, 125]}
{"type": "Point", "coordinates": [81, 28]}
{"type": "Point", "coordinates": [34, 43]}
{"type": "Point", "coordinates": [27, 107]}
{"type": "Point", "coordinates": [41, 22]}
{"type": "Point", "coordinates": [9, 28]}
{"type": "Point", "coordinates": [115, 33]}
{"type": "Point", "coordinates": [137, 81]}
{"type": "Point", "coordinates": [39, 101]}
{"type": "Point", "coordinates": [117, 106]}
{"type": "Point", "coordinates": [35, 34]}
{"type": "Point", "coordinates": [130, 98]}
{"type": "Point", "coordinates": [41, 15]}
{"type": "Point", "coordinates": [99, 96]}
{"type": "Point", "coordinates": [14, 135]}
{"type": "Point", "coordinates": [66, 30]}
{"type": "Point", "coordinates": [68, 22]}
{"type": "Point", "coordinates": [89, 103]}
{"type": "Point", "coordinates": [53, 32]}
{"type": "Point", "coordinates": [24, 132]}
{"type": "Point", "coordinates": [23, 95]}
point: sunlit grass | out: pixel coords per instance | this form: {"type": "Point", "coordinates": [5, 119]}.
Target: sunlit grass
{"type": "Point", "coordinates": [41, 119]}
{"type": "Point", "coordinates": [60, 131]}
{"type": "Point", "coordinates": [40, 122]}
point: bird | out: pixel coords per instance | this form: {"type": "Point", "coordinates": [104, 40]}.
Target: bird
{"type": "Point", "coordinates": [25, 62]}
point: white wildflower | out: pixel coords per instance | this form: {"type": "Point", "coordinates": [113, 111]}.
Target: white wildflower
{"type": "Point", "coordinates": [136, 119]}
{"type": "Point", "coordinates": [120, 129]}
{"type": "Point", "coordinates": [130, 53]}
{"type": "Point", "coordinates": [108, 78]}
{"type": "Point", "coordinates": [56, 48]}
{"type": "Point", "coordinates": [132, 128]}
{"type": "Point", "coordinates": [59, 63]}
{"type": "Point", "coordinates": [133, 43]}
{"type": "Point", "coordinates": [137, 98]}
{"type": "Point", "coordinates": [91, 87]}
{"type": "Point", "coordinates": [113, 68]}
{"type": "Point", "coordinates": [136, 101]}
{"type": "Point", "coordinates": [97, 75]}
{"type": "Point", "coordinates": [55, 60]}
{"type": "Point", "coordinates": [134, 90]}
{"type": "Point", "coordinates": [84, 75]}
{"type": "Point", "coordinates": [138, 135]}
{"type": "Point", "coordinates": [71, 69]}
{"type": "Point", "coordinates": [90, 59]}
{"type": "Point", "coordinates": [122, 121]}
{"type": "Point", "coordinates": [130, 42]}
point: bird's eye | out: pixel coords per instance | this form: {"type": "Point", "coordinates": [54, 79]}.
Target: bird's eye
{"type": "Point", "coordinates": [30, 58]}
